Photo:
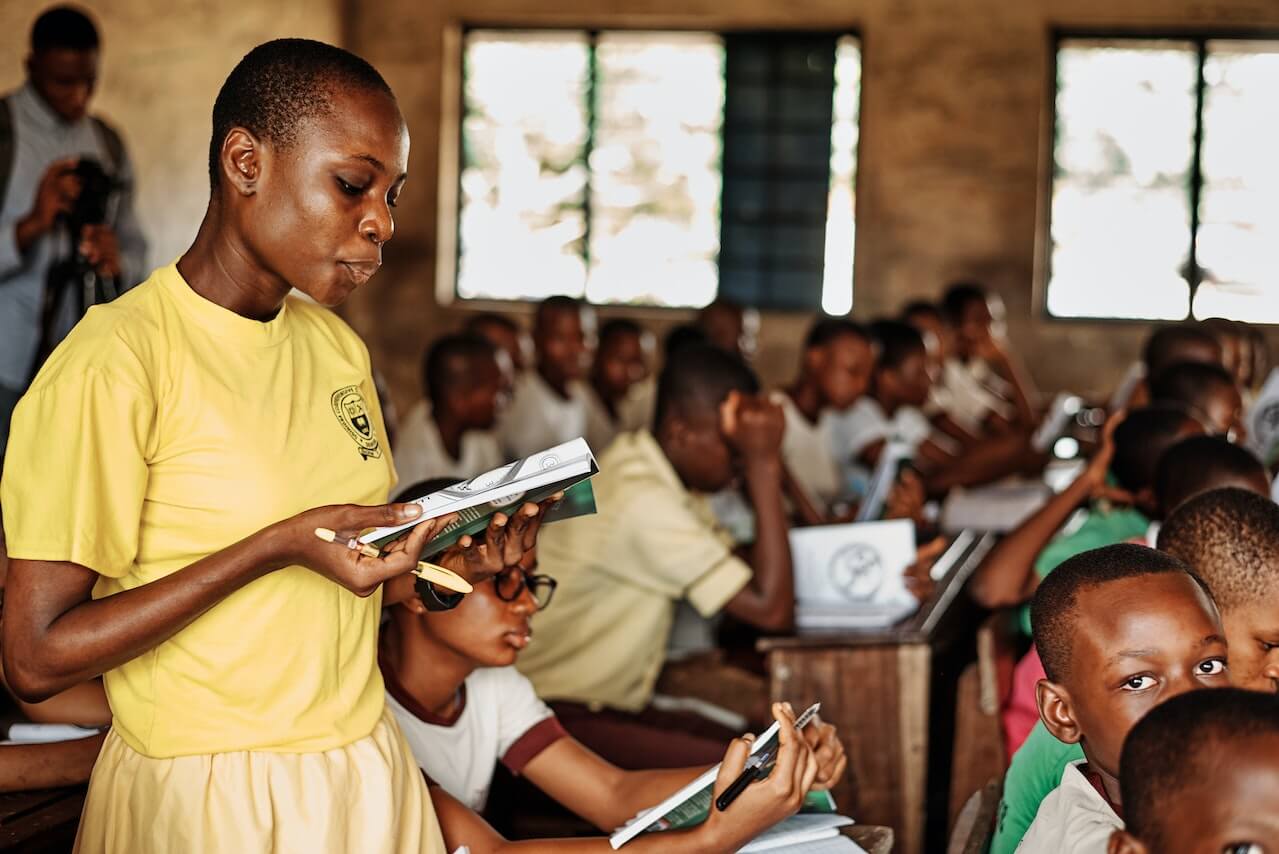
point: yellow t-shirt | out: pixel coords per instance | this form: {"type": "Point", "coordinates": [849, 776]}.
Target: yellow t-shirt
{"type": "Point", "coordinates": [166, 428]}
{"type": "Point", "coordinates": [621, 573]}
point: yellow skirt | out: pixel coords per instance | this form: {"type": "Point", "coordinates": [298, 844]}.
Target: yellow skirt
{"type": "Point", "coordinates": [368, 797]}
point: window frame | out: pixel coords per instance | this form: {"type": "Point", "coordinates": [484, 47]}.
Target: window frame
{"type": "Point", "coordinates": [453, 153]}
{"type": "Point", "coordinates": [1043, 253]}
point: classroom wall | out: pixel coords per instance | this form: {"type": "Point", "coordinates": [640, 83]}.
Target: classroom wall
{"type": "Point", "coordinates": [953, 114]}
{"type": "Point", "coordinates": [953, 129]}
{"type": "Point", "coordinates": [161, 69]}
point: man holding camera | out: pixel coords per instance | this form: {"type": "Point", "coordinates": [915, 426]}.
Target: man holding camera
{"type": "Point", "coordinates": [68, 234]}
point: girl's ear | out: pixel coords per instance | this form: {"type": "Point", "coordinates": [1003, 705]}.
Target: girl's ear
{"type": "Point", "coordinates": [401, 591]}
{"type": "Point", "coordinates": [1122, 842]}
{"type": "Point", "coordinates": [240, 160]}
{"type": "Point", "coordinates": [1056, 712]}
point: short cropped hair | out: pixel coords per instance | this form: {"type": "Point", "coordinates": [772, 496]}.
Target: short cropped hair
{"type": "Point", "coordinates": [283, 84]}
{"type": "Point", "coordinates": [827, 329]}
{"type": "Point", "coordinates": [1190, 383]}
{"type": "Point", "coordinates": [895, 342]}
{"type": "Point", "coordinates": [451, 362]}
{"type": "Point", "coordinates": [490, 318]}
{"type": "Point", "coordinates": [1231, 538]}
{"type": "Point", "coordinates": [64, 27]}
{"type": "Point", "coordinates": [1201, 463]}
{"type": "Point", "coordinates": [617, 327]}
{"type": "Point", "coordinates": [1178, 744]}
{"type": "Point", "coordinates": [696, 380]}
{"type": "Point", "coordinates": [554, 304]}
{"type": "Point", "coordinates": [682, 336]}
{"type": "Point", "coordinates": [1165, 346]}
{"type": "Point", "coordinates": [918, 307]}
{"type": "Point", "coordinates": [1053, 610]}
{"type": "Point", "coordinates": [958, 297]}
{"type": "Point", "coordinates": [1142, 438]}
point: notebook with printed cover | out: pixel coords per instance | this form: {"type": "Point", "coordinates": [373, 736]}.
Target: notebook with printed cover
{"type": "Point", "coordinates": [691, 805]}
{"type": "Point", "coordinates": [852, 576]}
{"type": "Point", "coordinates": [567, 468]}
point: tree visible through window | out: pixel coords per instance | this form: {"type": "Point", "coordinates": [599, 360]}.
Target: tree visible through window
{"type": "Point", "coordinates": [1165, 180]}
{"type": "Point", "coordinates": [593, 165]}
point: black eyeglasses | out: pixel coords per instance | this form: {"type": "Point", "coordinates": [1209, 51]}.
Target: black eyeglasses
{"type": "Point", "coordinates": [512, 582]}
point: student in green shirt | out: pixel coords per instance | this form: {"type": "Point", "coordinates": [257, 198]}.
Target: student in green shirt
{"type": "Point", "coordinates": [1232, 520]}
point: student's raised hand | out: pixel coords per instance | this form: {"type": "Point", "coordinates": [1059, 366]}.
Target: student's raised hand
{"type": "Point", "coordinates": [298, 544]}
{"type": "Point", "coordinates": [919, 579]}
{"type": "Point", "coordinates": [906, 498]}
{"type": "Point", "coordinates": [828, 753]}
{"type": "Point", "coordinates": [753, 425]}
{"type": "Point", "coordinates": [1099, 466]}
{"type": "Point", "coordinates": [765, 802]}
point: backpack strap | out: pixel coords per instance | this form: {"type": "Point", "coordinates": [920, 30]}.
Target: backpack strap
{"type": "Point", "coordinates": [113, 143]}
{"type": "Point", "coordinates": [8, 146]}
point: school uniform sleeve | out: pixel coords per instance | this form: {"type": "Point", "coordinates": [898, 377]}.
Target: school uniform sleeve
{"type": "Point", "coordinates": [855, 430]}
{"type": "Point", "coordinates": [76, 466]}
{"type": "Point", "coordinates": [675, 550]}
{"type": "Point", "coordinates": [526, 725]}
{"type": "Point", "coordinates": [1035, 771]}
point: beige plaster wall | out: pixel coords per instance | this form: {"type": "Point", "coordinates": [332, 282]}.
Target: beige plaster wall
{"type": "Point", "coordinates": [953, 131]}
{"type": "Point", "coordinates": [162, 64]}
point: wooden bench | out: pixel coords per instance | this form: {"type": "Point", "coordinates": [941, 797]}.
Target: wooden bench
{"type": "Point", "coordinates": [41, 821]}
{"type": "Point", "coordinates": [978, 752]}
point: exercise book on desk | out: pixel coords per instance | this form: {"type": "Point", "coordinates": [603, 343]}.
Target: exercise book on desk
{"type": "Point", "coordinates": [852, 576]}
{"type": "Point", "coordinates": [691, 805]}
{"type": "Point", "coordinates": [800, 833]}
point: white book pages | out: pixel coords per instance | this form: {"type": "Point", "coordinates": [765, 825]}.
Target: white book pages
{"type": "Point", "coordinates": [560, 463]}
{"type": "Point", "coordinates": [803, 827]}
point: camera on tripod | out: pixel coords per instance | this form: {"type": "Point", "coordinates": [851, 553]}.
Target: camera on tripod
{"type": "Point", "coordinates": [97, 190]}
{"type": "Point", "coordinates": [72, 284]}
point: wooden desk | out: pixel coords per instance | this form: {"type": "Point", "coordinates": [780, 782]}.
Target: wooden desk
{"type": "Point", "coordinates": [872, 839]}
{"type": "Point", "coordinates": [40, 821]}
{"type": "Point", "coordinates": [891, 694]}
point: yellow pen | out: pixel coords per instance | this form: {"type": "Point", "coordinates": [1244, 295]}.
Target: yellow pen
{"type": "Point", "coordinates": [431, 572]}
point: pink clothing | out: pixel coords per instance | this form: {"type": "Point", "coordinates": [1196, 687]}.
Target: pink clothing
{"type": "Point", "coordinates": [1021, 712]}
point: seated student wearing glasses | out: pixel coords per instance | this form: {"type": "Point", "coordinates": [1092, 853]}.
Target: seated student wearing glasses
{"type": "Point", "coordinates": [464, 708]}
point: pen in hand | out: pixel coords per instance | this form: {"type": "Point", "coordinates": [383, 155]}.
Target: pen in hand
{"type": "Point", "coordinates": [757, 765]}
{"type": "Point", "coordinates": [431, 572]}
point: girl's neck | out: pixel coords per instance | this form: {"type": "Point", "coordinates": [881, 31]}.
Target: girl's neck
{"type": "Point", "coordinates": [220, 267]}
{"type": "Point", "coordinates": [426, 670]}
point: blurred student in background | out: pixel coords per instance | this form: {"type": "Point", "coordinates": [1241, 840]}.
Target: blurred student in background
{"type": "Point", "coordinates": [549, 404]}
{"type": "Point", "coordinates": [466, 382]}
{"type": "Point", "coordinates": [621, 398]}
{"type": "Point", "coordinates": [988, 390]}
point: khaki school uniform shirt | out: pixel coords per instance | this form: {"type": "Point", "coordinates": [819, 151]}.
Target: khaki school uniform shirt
{"type": "Point", "coordinates": [621, 573]}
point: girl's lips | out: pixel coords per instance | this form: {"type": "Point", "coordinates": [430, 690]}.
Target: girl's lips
{"type": "Point", "coordinates": [518, 639]}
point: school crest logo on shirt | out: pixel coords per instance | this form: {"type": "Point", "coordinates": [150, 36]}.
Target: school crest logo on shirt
{"type": "Point", "coordinates": [349, 407]}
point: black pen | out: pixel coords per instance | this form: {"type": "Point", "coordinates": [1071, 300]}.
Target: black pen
{"type": "Point", "coordinates": [759, 764]}
{"type": "Point", "coordinates": [756, 769]}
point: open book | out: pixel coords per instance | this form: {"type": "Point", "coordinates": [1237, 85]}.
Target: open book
{"type": "Point", "coordinates": [535, 478]}
{"type": "Point", "coordinates": [691, 805]}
